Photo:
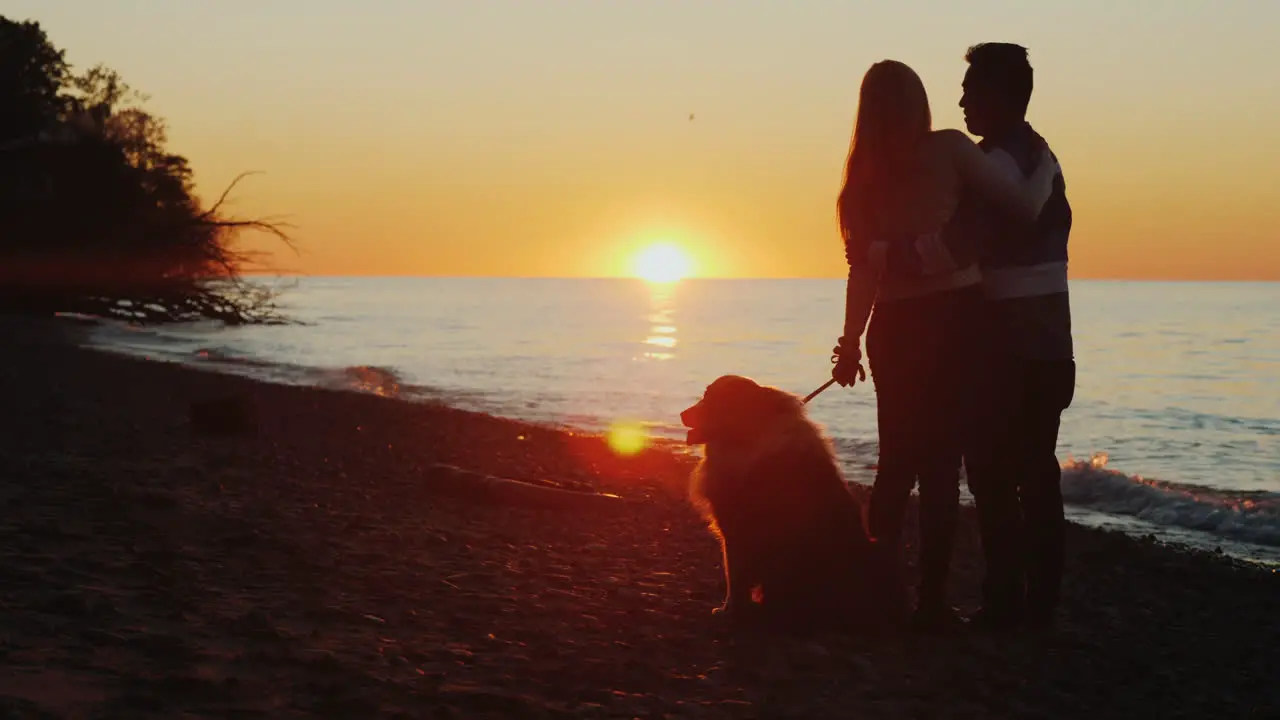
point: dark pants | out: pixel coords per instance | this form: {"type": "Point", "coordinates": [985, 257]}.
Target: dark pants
{"type": "Point", "coordinates": [1016, 481]}
{"type": "Point", "coordinates": [920, 354]}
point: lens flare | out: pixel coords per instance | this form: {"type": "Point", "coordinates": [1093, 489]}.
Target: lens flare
{"type": "Point", "coordinates": [627, 437]}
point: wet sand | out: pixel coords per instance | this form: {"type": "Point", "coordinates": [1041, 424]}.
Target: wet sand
{"type": "Point", "coordinates": [325, 566]}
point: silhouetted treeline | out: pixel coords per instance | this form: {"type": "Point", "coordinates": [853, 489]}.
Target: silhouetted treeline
{"type": "Point", "coordinates": [96, 215]}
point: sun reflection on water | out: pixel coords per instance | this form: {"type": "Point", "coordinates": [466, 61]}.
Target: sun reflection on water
{"type": "Point", "coordinates": [661, 341]}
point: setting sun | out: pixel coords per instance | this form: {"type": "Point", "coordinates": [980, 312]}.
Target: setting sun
{"type": "Point", "coordinates": [662, 263]}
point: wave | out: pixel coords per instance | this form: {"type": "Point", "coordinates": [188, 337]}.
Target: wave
{"type": "Point", "coordinates": [183, 347]}
{"type": "Point", "coordinates": [371, 379]}
{"type": "Point", "coordinates": [1250, 517]}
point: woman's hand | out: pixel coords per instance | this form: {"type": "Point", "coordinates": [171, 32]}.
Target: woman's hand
{"type": "Point", "coordinates": [848, 370]}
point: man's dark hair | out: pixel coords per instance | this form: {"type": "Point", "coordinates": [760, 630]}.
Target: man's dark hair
{"type": "Point", "coordinates": [1006, 68]}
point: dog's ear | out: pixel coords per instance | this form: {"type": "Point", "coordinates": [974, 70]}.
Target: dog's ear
{"type": "Point", "coordinates": [728, 410]}
{"type": "Point", "coordinates": [779, 403]}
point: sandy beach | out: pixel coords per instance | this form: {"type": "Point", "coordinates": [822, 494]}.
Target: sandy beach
{"type": "Point", "coordinates": [325, 566]}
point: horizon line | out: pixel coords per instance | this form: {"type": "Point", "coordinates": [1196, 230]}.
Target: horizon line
{"type": "Point", "coordinates": [704, 278]}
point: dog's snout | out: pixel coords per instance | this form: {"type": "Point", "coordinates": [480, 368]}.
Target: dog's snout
{"type": "Point", "coordinates": [692, 416]}
{"type": "Point", "coordinates": [692, 419]}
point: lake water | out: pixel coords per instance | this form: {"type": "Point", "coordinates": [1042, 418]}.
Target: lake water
{"type": "Point", "coordinates": [1175, 429]}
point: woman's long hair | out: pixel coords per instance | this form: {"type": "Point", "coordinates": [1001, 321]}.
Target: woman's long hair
{"type": "Point", "coordinates": [893, 118]}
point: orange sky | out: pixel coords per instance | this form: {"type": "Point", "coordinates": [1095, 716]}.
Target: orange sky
{"type": "Point", "coordinates": [552, 137]}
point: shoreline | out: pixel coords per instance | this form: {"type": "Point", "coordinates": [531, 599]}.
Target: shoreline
{"type": "Point", "coordinates": [387, 382]}
{"type": "Point", "coordinates": [311, 569]}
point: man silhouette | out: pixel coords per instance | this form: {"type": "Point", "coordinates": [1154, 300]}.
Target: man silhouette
{"type": "Point", "coordinates": [1028, 375]}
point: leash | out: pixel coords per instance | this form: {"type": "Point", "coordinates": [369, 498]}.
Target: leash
{"type": "Point", "coordinates": [834, 359]}
{"type": "Point", "coordinates": [818, 392]}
